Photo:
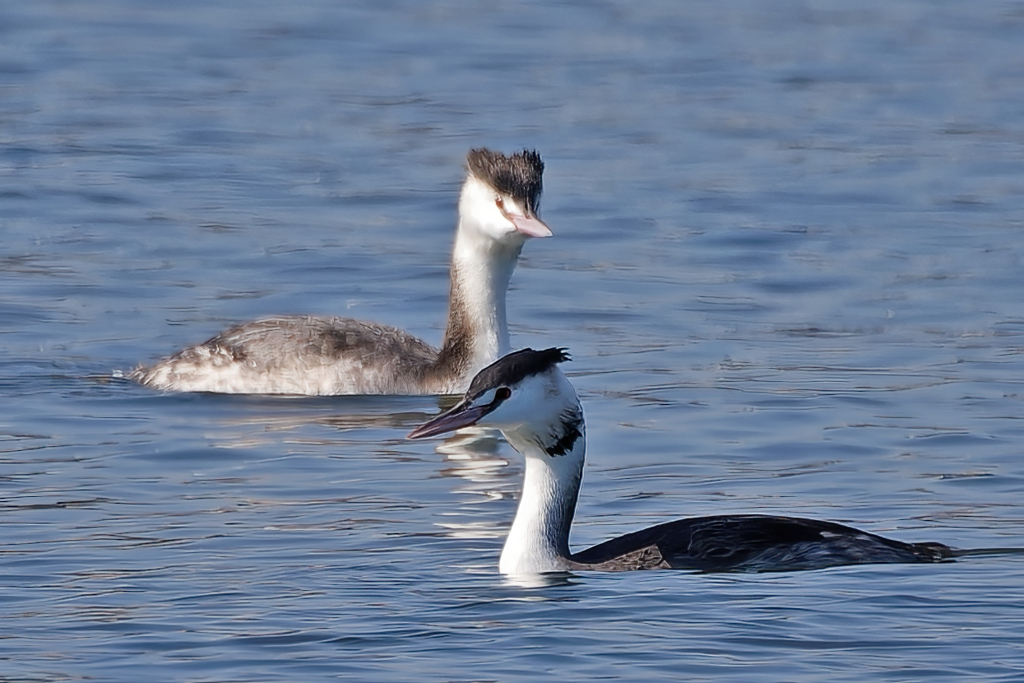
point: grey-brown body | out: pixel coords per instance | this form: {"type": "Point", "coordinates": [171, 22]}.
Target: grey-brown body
{"type": "Point", "coordinates": [323, 355]}
{"type": "Point", "coordinates": [315, 356]}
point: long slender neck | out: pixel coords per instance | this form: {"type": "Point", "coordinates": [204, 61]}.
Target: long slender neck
{"type": "Point", "coordinates": [477, 332]}
{"type": "Point", "coordinates": [539, 538]}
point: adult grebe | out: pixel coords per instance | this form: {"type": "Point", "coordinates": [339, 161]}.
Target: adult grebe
{"type": "Point", "coordinates": [329, 355]}
{"type": "Point", "coordinates": [526, 396]}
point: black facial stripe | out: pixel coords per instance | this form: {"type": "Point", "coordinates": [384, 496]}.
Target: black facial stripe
{"type": "Point", "coordinates": [500, 396]}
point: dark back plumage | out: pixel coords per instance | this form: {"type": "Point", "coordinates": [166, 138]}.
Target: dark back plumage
{"type": "Point", "coordinates": [514, 368]}
{"type": "Point", "coordinates": [754, 543]}
{"type": "Point", "coordinates": [519, 176]}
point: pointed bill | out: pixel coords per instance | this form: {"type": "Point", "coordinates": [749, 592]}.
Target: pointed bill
{"type": "Point", "coordinates": [530, 226]}
{"type": "Point", "coordinates": [458, 417]}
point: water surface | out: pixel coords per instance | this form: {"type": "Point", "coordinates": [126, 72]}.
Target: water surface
{"type": "Point", "coordinates": [787, 262]}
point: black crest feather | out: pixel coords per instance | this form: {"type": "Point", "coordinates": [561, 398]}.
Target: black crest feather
{"type": "Point", "coordinates": [519, 176]}
{"type": "Point", "coordinates": [515, 367]}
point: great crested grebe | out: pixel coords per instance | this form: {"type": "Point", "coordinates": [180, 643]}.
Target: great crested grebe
{"type": "Point", "coordinates": [526, 396]}
{"type": "Point", "coordinates": [329, 355]}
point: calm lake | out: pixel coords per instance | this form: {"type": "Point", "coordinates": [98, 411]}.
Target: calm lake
{"type": "Point", "coordinates": [788, 262]}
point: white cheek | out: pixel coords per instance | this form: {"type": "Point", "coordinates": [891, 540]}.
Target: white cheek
{"type": "Point", "coordinates": [498, 225]}
{"type": "Point", "coordinates": [508, 415]}
{"type": "Point", "coordinates": [522, 407]}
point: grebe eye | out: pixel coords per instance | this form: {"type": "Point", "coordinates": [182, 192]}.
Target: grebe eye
{"type": "Point", "coordinates": [502, 394]}
{"type": "Point", "coordinates": [500, 203]}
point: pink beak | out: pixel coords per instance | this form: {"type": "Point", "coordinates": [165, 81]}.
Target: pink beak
{"type": "Point", "coordinates": [529, 226]}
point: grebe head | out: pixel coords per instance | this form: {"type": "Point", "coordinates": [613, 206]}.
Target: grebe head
{"type": "Point", "coordinates": [524, 394]}
{"type": "Point", "coordinates": [501, 195]}
{"type": "Point", "coordinates": [527, 397]}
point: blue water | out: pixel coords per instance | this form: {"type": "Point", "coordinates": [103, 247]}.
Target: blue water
{"type": "Point", "coordinates": [788, 261]}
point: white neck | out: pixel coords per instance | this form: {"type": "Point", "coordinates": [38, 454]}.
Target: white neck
{"type": "Point", "coordinates": [539, 538]}
{"type": "Point", "coordinates": [481, 271]}
{"type": "Point", "coordinates": [482, 266]}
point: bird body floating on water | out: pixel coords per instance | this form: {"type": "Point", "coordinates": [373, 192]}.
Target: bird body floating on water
{"type": "Point", "coordinates": [309, 355]}
{"type": "Point", "coordinates": [527, 397]}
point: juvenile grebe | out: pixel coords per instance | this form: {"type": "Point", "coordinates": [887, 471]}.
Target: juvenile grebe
{"type": "Point", "coordinates": [329, 355]}
{"type": "Point", "coordinates": [526, 396]}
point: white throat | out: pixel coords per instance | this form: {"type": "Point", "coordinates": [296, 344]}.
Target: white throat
{"type": "Point", "coordinates": [539, 538]}
{"type": "Point", "coordinates": [482, 265]}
